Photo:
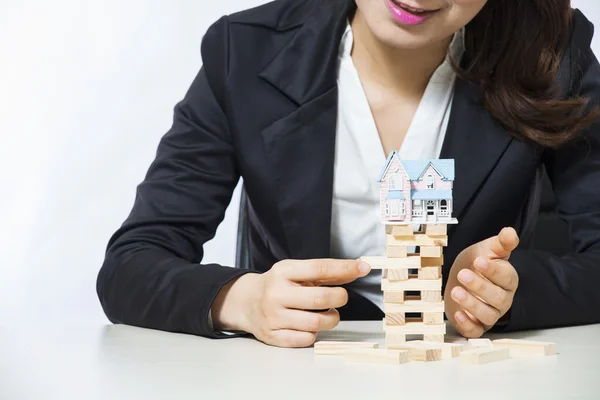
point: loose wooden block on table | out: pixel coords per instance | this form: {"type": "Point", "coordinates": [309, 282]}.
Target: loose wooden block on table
{"type": "Point", "coordinates": [431, 251]}
{"type": "Point", "coordinates": [449, 350]}
{"type": "Point", "coordinates": [481, 342]}
{"type": "Point", "coordinates": [520, 348]}
{"type": "Point", "coordinates": [419, 351]}
{"type": "Point", "coordinates": [417, 240]}
{"type": "Point", "coordinates": [381, 356]}
{"type": "Point", "coordinates": [338, 347]}
{"type": "Point", "coordinates": [484, 355]}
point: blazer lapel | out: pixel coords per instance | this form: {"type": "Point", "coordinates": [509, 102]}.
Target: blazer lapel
{"type": "Point", "coordinates": [301, 145]}
{"type": "Point", "coordinates": [475, 141]}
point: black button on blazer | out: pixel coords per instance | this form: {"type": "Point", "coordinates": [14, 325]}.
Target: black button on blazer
{"type": "Point", "coordinates": [263, 107]}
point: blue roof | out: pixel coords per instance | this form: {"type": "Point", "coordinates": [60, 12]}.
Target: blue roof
{"type": "Point", "coordinates": [429, 194]}
{"type": "Point", "coordinates": [395, 195]}
{"type": "Point", "coordinates": [415, 168]}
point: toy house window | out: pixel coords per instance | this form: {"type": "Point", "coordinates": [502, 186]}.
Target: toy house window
{"type": "Point", "coordinates": [444, 207]}
{"type": "Point", "coordinates": [417, 204]}
{"type": "Point", "coordinates": [429, 181]}
{"type": "Point", "coordinates": [396, 182]}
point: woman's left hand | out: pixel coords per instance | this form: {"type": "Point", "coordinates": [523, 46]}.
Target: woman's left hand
{"type": "Point", "coordinates": [482, 284]}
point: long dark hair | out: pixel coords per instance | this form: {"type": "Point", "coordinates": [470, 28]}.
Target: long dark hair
{"type": "Point", "coordinates": [513, 51]}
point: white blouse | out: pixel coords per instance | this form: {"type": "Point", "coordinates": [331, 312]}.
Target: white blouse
{"type": "Point", "coordinates": [356, 229]}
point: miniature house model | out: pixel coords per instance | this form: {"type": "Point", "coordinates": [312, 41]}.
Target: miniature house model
{"type": "Point", "coordinates": [416, 191]}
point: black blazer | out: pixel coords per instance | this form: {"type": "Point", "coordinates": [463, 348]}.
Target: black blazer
{"type": "Point", "coordinates": [263, 107]}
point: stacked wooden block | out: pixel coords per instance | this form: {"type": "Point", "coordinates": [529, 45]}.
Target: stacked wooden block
{"type": "Point", "coordinates": [412, 283]}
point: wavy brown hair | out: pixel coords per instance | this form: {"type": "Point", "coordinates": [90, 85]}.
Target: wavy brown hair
{"type": "Point", "coordinates": [513, 52]}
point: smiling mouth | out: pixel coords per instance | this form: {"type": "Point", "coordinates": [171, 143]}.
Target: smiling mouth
{"type": "Point", "coordinates": [413, 10]}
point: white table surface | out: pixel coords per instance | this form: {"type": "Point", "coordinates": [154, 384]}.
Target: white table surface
{"type": "Point", "coordinates": [121, 362]}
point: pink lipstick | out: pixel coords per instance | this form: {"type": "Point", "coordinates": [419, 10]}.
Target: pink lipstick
{"type": "Point", "coordinates": [407, 15]}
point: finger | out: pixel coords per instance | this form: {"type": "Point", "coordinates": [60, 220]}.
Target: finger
{"type": "Point", "coordinates": [487, 315]}
{"type": "Point", "coordinates": [487, 291]}
{"type": "Point", "coordinates": [501, 245]}
{"type": "Point", "coordinates": [314, 298]}
{"type": "Point", "coordinates": [325, 270]}
{"type": "Point", "coordinates": [467, 327]}
{"type": "Point", "coordinates": [500, 272]}
{"type": "Point", "coordinates": [289, 338]}
{"type": "Point", "coordinates": [307, 321]}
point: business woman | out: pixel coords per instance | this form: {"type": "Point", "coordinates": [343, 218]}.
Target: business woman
{"type": "Point", "coordinates": [304, 99]}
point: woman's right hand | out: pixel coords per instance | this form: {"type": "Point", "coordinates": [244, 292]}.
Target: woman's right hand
{"type": "Point", "coordinates": [285, 306]}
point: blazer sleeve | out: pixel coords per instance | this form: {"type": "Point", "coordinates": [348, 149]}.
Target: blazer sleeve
{"type": "Point", "coordinates": [151, 276]}
{"type": "Point", "coordinates": [564, 291]}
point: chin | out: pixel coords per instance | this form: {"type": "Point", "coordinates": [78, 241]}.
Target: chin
{"type": "Point", "coordinates": [395, 25]}
{"type": "Point", "coordinates": [394, 36]}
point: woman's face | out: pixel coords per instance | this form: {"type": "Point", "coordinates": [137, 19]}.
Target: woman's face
{"type": "Point", "coordinates": [417, 23]}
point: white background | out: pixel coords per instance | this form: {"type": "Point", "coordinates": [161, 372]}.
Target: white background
{"type": "Point", "coordinates": [87, 88]}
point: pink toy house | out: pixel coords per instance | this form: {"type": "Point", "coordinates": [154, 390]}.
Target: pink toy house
{"type": "Point", "coordinates": [416, 191]}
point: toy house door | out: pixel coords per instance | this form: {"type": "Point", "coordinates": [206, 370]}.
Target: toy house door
{"type": "Point", "coordinates": [430, 207]}
{"type": "Point", "coordinates": [394, 208]}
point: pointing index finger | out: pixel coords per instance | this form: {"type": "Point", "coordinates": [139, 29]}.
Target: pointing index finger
{"type": "Point", "coordinates": [326, 270]}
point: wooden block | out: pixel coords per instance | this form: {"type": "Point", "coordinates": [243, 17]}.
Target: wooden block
{"type": "Point", "coordinates": [434, 338]}
{"type": "Point", "coordinates": [478, 343]}
{"type": "Point", "coordinates": [408, 262]}
{"type": "Point", "coordinates": [420, 351]}
{"type": "Point", "coordinates": [392, 339]}
{"type": "Point", "coordinates": [431, 295]}
{"type": "Point", "coordinates": [417, 239]}
{"type": "Point", "coordinates": [432, 261]}
{"type": "Point", "coordinates": [449, 350]}
{"type": "Point", "coordinates": [431, 251]}
{"type": "Point", "coordinates": [412, 284]}
{"type": "Point", "coordinates": [400, 230]}
{"type": "Point", "coordinates": [433, 318]}
{"type": "Point", "coordinates": [381, 356]}
{"type": "Point", "coordinates": [435, 229]}
{"type": "Point", "coordinates": [393, 297]}
{"type": "Point", "coordinates": [396, 251]}
{"type": "Point", "coordinates": [524, 348]}
{"type": "Point", "coordinates": [338, 348]}
{"type": "Point", "coordinates": [395, 275]}
{"type": "Point", "coordinates": [429, 273]}
{"type": "Point", "coordinates": [414, 306]}
{"type": "Point", "coordinates": [415, 328]}
{"type": "Point", "coordinates": [395, 318]}
{"type": "Point", "coordinates": [484, 355]}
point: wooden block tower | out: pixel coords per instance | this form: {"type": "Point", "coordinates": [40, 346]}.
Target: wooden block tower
{"type": "Point", "coordinates": [416, 209]}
